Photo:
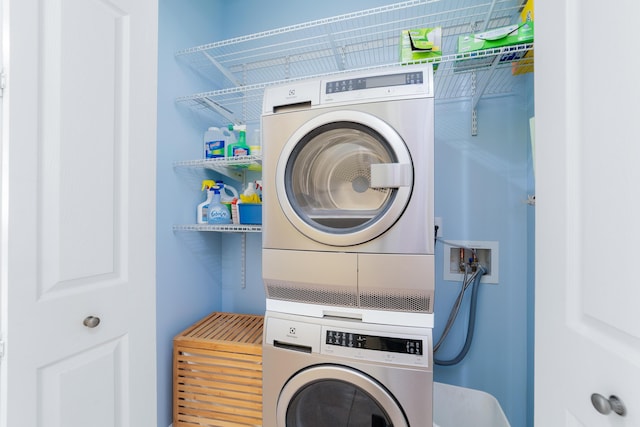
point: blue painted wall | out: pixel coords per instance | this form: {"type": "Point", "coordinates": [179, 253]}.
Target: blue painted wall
{"type": "Point", "coordinates": [188, 264]}
{"type": "Point", "coordinates": [481, 185]}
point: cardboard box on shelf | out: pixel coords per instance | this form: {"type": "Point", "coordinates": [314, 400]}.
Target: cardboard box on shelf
{"type": "Point", "coordinates": [496, 38]}
{"type": "Point", "coordinates": [419, 44]}
{"type": "Point", "coordinates": [525, 65]}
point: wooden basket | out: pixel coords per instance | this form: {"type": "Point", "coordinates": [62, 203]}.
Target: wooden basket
{"type": "Point", "coordinates": [217, 372]}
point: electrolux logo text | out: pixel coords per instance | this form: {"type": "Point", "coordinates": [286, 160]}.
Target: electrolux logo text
{"type": "Point", "coordinates": [292, 332]}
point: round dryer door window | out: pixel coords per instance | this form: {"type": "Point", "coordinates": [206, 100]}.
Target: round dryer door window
{"type": "Point", "coordinates": [344, 178]}
{"type": "Point", "coordinates": [331, 395]}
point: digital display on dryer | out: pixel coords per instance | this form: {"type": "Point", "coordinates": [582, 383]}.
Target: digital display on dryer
{"type": "Point", "coordinates": [371, 82]}
{"type": "Point", "coordinates": [373, 342]}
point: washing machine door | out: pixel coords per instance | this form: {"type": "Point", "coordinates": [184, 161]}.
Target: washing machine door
{"type": "Point", "coordinates": [344, 178]}
{"type": "Point", "coordinates": [333, 395]}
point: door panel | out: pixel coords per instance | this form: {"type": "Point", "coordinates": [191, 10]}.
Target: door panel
{"type": "Point", "coordinates": [587, 322]}
{"type": "Point", "coordinates": [80, 126]}
{"type": "Point", "coordinates": [100, 367]}
{"type": "Point", "coordinates": [78, 156]}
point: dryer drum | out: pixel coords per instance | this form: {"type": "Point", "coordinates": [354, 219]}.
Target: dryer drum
{"type": "Point", "coordinates": [328, 176]}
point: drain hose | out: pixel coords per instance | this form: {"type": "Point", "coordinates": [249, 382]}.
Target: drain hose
{"type": "Point", "coordinates": [472, 321]}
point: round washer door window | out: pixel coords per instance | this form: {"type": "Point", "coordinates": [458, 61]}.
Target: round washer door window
{"type": "Point", "coordinates": [331, 395]}
{"type": "Point", "coordinates": [344, 178]}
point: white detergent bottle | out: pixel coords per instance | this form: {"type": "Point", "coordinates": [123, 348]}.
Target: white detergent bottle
{"type": "Point", "coordinates": [227, 192]}
{"type": "Point", "coordinates": [202, 211]}
{"type": "Point", "coordinates": [218, 213]}
{"type": "Point", "coordinates": [227, 195]}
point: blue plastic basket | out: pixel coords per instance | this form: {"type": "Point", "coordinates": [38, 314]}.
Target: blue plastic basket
{"type": "Point", "coordinates": [250, 213]}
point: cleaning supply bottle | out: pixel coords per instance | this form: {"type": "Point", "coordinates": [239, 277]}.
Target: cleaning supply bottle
{"type": "Point", "coordinates": [214, 142]}
{"type": "Point", "coordinates": [240, 148]}
{"type": "Point", "coordinates": [202, 212]}
{"type": "Point", "coordinates": [218, 213]}
{"type": "Point", "coordinates": [250, 195]}
{"type": "Point", "coordinates": [227, 192]}
{"type": "Point", "coordinates": [255, 148]}
{"type": "Point", "coordinates": [227, 195]}
{"type": "Point", "coordinates": [256, 144]}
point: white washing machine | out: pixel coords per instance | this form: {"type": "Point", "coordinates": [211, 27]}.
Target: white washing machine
{"type": "Point", "coordinates": [331, 372]}
{"type": "Point", "coordinates": [348, 191]}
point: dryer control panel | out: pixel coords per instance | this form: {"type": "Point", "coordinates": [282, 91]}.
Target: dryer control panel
{"type": "Point", "coordinates": [371, 82]}
{"type": "Point", "coordinates": [384, 84]}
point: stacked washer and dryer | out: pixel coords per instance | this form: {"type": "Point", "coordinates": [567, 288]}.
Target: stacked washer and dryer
{"type": "Point", "coordinates": [348, 250]}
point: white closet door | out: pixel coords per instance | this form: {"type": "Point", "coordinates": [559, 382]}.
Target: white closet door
{"type": "Point", "coordinates": [78, 223]}
{"type": "Point", "coordinates": [587, 212]}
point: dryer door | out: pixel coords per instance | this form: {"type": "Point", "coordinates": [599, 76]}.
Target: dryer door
{"type": "Point", "coordinates": [344, 178]}
{"type": "Point", "coordinates": [332, 395]}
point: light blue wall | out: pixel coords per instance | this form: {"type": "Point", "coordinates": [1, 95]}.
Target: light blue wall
{"type": "Point", "coordinates": [247, 16]}
{"type": "Point", "coordinates": [481, 185]}
{"type": "Point", "coordinates": [531, 221]}
{"type": "Point", "coordinates": [188, 264]}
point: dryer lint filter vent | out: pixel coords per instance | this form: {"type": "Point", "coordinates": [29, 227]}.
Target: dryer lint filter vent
{"type": "Point", "coordinates": [397, 301]}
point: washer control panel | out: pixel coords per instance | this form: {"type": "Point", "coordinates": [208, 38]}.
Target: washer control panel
{"type": "Point", "coordinates": [386, 347]}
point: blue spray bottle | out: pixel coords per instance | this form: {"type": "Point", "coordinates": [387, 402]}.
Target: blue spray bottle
{"type": "Point", "coordinates": [218, 213]}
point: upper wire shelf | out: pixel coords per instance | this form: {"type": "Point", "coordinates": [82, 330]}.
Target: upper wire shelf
{"type": "Point", "coordinates": [240, 68]}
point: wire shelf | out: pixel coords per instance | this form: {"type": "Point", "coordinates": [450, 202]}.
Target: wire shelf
{"type": "Point", "coordinates": [233, 167]}
{"type": "Point", "coordinates": [230, 228]}
{"type": "Point", "coordinates": [453, 79]}
{"type": "Point", "coordinates": [346, 42]}
{"type": "Point", "coordinates": [242, 67]}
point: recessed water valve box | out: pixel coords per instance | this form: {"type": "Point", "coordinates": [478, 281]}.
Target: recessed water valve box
{"type": "Point", "coordinates": [460, 254]}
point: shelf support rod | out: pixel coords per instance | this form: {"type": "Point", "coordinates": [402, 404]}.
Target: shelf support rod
{"type": "Point", "coordinates": [339, 58]}
{"type": "Point", "coordinates": [220, 110]}
{"type": "Point", "coordinates": [243, 266]}
{"type": "Point", "coordinates": [222, 69]}
{"type": "Point", "coordinates": [474, 112]}
{"type": "Point", "coordinates": [479, 91]}
{"type": "Point", "coordinates": [487, 19]}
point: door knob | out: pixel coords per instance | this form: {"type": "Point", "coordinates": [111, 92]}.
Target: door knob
{"type": "Point", "coordinates": [91, 321]}
{"type": "Point", "coordinates": [605, 406]}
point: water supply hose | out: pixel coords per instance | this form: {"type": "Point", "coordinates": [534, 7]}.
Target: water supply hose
{"type": "Point", "coordinates": [475, 285]}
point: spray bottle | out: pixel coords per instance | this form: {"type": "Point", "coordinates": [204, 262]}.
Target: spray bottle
{"type": "Point", "coordinates": [250, 195]}
{"type": "Point", "coordinates": [240, 148]}
{"type": "Point", "coordinates": [218, 213]}
{"type": "Point", "coordinates": [202, 212]}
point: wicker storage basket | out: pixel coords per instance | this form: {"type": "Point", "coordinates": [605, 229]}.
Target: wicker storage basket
{"type": "Point", "coordinates": [217, 372]}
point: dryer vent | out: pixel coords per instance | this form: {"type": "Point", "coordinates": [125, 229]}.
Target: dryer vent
{"type": "Point", "coordinates": [393, 300]}
{"type": "Point", "coordinates": [409, 301]}
{"type": "Point", "coordinates": [312, 295]}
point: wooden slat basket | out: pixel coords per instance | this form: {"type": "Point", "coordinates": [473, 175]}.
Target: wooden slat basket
{"type": "Point", "coordinates": [217, 372]}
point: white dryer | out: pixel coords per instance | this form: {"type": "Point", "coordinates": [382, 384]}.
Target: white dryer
{"type": "Point", "coordinates": [348, 190]}
{"type": "Point", "coordinates": [329, 372]}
